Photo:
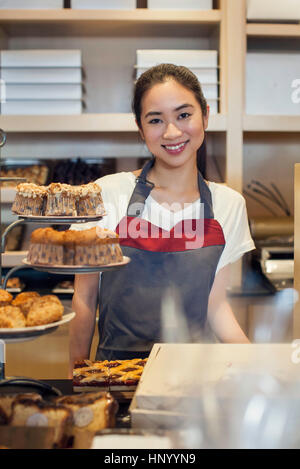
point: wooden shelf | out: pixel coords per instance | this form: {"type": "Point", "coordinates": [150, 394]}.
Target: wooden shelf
{"type": "Point", "coordinates": [260, 123]}
{"type": "Point", "coordinates": [92, 22]}
{"type": "Point", "coordinates": [138, 15]}
{"type": "Point", "coordinates": [273, 30]}
{"type": "Point", "coordinates": [122, 122]}
{"type": "Point", "coordinates": [13, 258]}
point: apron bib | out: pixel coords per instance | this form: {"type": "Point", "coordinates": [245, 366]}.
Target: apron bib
{"type": "Point", "coordinates": [185, 258]}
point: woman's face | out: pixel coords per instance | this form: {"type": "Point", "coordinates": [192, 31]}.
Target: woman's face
{"type": "Point", "coordinates": [172, 123]}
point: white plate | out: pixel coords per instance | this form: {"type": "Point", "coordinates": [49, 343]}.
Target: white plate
{"type": "Point", "coordinates": [22, 334]}
{"type": "Point", "coordinates": [77, 269]}
{"type": "Point", "coordinates": [66, 220]}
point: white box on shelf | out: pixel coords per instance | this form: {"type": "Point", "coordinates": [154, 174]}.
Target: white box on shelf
{"type": "Point", "coordinates": [40, 58]}
{"type": "Point", "coordinates": [180, 4]}
{"type": "Point", "coordinates": [273, 83]}
{"type": "Point", "coordinates": [204, 75]}
{"type": "Point", "coordinates": [31, 4]}
{"type": "Point", "coordinates": [188, 58]}
{"type": "Point", "coordinates": [273, 10]}
{"type": "Point", "coordinates": [42, 107]}
{"type": "Point", "coordinates": [41, 75]}
{"type": "Point", "coordinates": [103, 4]}
{"type": "Point", "coordinates": [43, 91]}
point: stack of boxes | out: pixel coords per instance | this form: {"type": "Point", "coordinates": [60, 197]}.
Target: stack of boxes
{"type": "Point", "coordinates": [203, 63]}
{"type": "Point", "coordinates": [41, 82]}
{"type": "Point", "coordinates": [180, 4]}
{"type": "Point", "coordinates": [31, 4]}
{"type": "Point", "coordinates": [103, 4]}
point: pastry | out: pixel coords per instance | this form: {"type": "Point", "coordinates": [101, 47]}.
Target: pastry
{"type": "Point", "coordinates": [46, 247]}
{"type": "Point", "coordinates": [90, 200]}
{"type": "Point", "coordinates": [29, 199]}
{"type": "Point", "coordinates": [26, 412]}
{"type": "Point", "coordinates": [117, 375]}
{"type": "Point", "coordinates": [97, 246]}
{"type": "Point", "coordinates": [11, 317]}
{"type": "Point", "coordinates": [61, 200]}
{"type": "Point", "coordinates": [7, 400]}
{"type": "Point", "coordinates": [91, 247]}
{"type": "Point", "coordinates": [45, 310]}
{"type": "Point", "coordinates": [25, 300]}
{"type": "Point", "coordinates": [92, 411]}
{"type": "Point", "coordinates": [5, 297]}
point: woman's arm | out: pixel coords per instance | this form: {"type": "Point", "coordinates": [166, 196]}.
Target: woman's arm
{"type": "Point", "coordinates": [82, 327]}
{"type": "Point", "coordinates": [220, 315]}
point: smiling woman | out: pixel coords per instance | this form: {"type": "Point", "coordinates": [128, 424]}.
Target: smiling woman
{"type": "Point", "coordinates": [189, 251]}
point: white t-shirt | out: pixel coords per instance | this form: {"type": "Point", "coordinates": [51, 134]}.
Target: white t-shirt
{"type": "Point", "coordinates": [228, 205]}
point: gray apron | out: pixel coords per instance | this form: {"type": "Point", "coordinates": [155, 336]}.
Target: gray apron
{"type": "Point", "coordinates": [185, 259]}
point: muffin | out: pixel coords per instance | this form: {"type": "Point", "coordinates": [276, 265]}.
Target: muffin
{"type": "Point", "coordinates": [5, 297]}
{"type": "Point", "coordinates": [25, 300]}
{"type": "Point", "coordinates": [11, 317]}
{"type": "Point", "coordinates": [61, 200]}
{"type": "Point", "coordinates": [29, 199]}
{"type": "Point", "coordinates": [45, 310]}
{"type": "Point", "coordinates": [46, 247]}
{"type": "Point", "coordinates": [69, 246]}
{"type": "Point", "coordinates": [97, 246]}
{"type": "Point", "coordinates": [90, 200]}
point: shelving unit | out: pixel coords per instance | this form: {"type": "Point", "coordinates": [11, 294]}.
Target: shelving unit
{"type": "Point", "coordinates": [108, 40]}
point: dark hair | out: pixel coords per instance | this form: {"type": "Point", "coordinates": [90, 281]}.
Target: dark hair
{"type": "Point", "coordinates": [160, 74]}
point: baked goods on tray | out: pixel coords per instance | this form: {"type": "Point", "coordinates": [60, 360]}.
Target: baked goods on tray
{"type": "Point", "coordinates": [69, 416]}
{"type": "Point", "coordinates": [58, 200]}
{"type": "Point", "coordinates": [92, 411]}
{"type": "Point", "coordinates": [91, 247]}
{"type": "Point", "coordinates": [116, 375]}
{"type": "Point", "coordinates": [36, 174]}
{"type": "Point", "coordinates": [35, 413]}
{"type": "Point", "coordinates": [29, 309]}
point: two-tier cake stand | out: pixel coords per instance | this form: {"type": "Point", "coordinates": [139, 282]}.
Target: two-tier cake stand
{"type": "Point", "coordinates": [30, 333]}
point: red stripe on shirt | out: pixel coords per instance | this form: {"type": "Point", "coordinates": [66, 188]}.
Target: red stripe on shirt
{"type": "Point", "coordinates": [184, 236]}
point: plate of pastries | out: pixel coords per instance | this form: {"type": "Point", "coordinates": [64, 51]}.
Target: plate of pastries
{"type": "Point", "coordinates": [92, 249]}
{"type": "Point", "coordinates": [29, 314]}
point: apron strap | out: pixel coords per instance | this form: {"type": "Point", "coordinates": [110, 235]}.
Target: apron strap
{"type": "Point", "coordinates": [142, 190]}
{"type": "Point", "coordinates": [144, 187]}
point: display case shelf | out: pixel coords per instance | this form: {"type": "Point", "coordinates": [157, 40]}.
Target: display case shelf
{"type": "Point", "coordinates": [253, 123]}
{"type": "Point", "coordinates": [273, 30]}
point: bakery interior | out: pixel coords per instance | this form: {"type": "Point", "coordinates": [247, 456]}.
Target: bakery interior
{"type": "Point", "coordinates": [253, 142]}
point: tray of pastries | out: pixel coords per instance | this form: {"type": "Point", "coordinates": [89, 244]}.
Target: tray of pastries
{"type": "Point", "coordinates": [58, 202]}
{"type": "Point", "coordinates": [120, 377]}
{"type": "Point", "coordinates": [69, 417]}
{"type": "Point", "coordinates": [29, 315]}
{"type": "Point", "coordinates": [75, 251]}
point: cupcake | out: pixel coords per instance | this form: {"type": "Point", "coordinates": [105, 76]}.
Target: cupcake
{"type": "Point", "coordinates": [97, 247]}
{"type": "Point", "coordinates": [61, 200]}
{"type": "Point", "coordinates": [29, 199]}
{"type": "Point", "coordinates": [90, 200]}
{"type": "Point", "coordinates": [46, 247]}
{"type": "Point", "coordinates": [69, 246]}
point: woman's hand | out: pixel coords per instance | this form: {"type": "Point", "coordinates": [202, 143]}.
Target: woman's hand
{"type": "Point", "coordinates": [220, 315]}
{"type": "Point", "coordinates": [82, 327]}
